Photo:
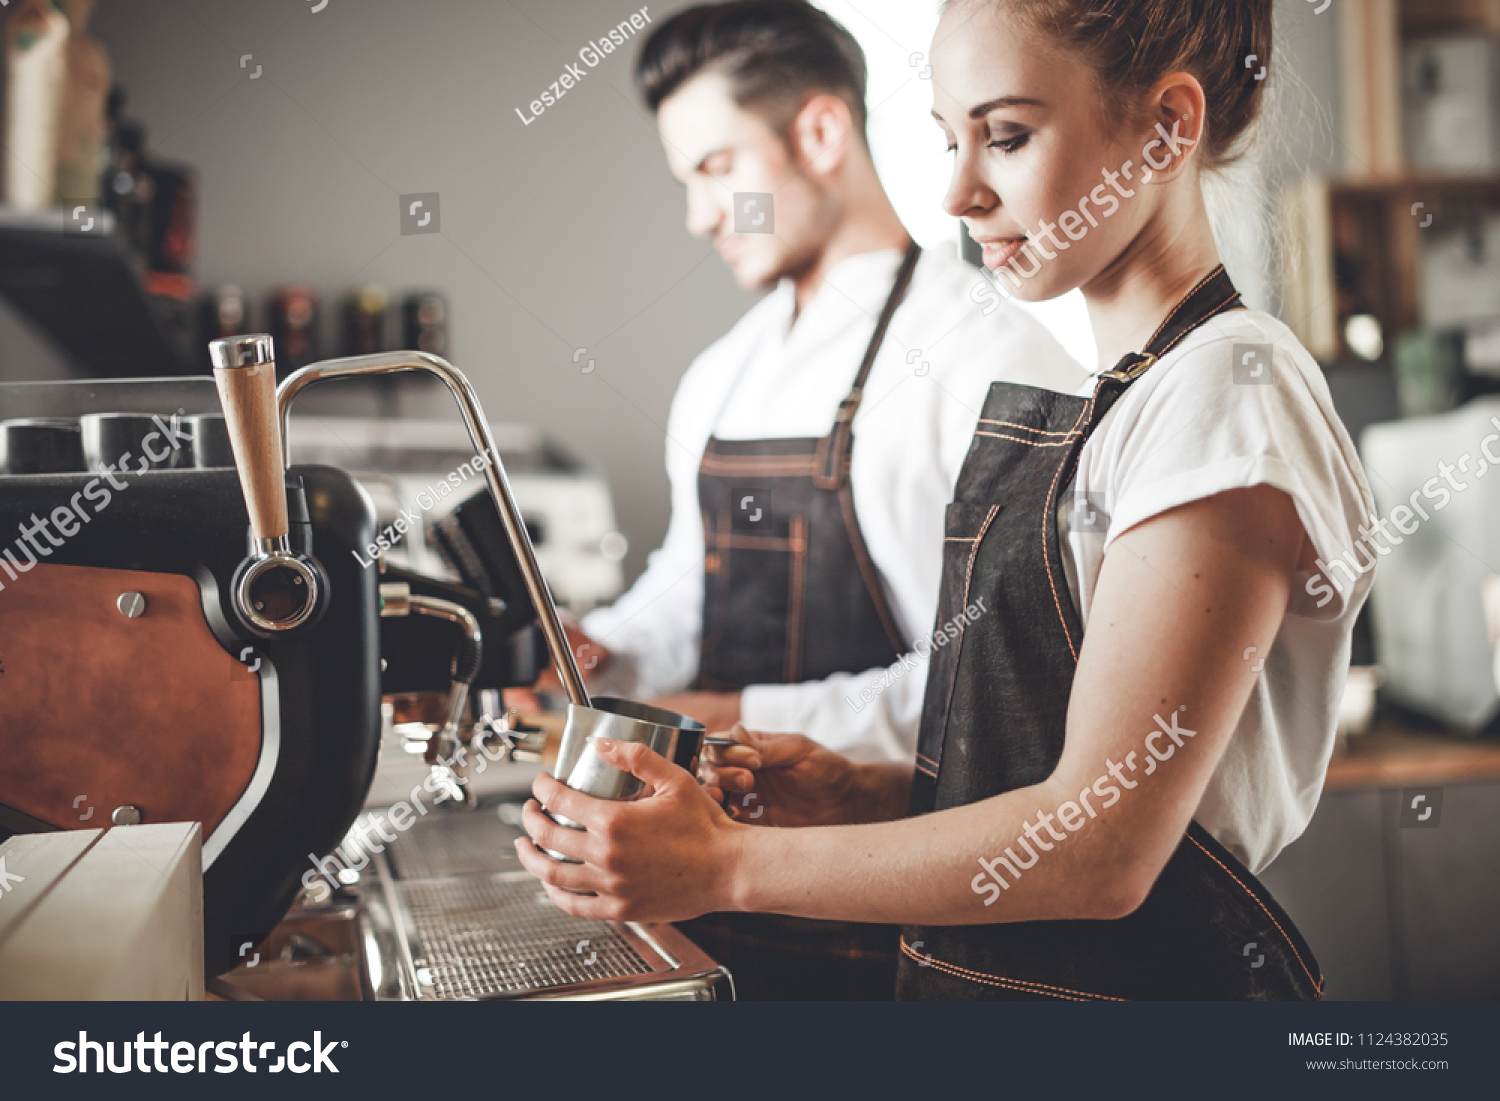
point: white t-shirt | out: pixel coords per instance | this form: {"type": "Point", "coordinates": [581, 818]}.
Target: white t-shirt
{"type": "Point", "coordinates": [1199, 423]}
{"type": "Point", "coordinates": [778, 374]}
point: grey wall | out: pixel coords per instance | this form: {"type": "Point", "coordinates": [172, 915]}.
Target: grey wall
{"type": "Point", "coordinates": [555, 236]}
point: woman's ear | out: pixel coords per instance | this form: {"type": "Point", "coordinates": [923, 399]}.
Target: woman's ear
{"type": "Point", "coordinates": [822, 132]}
{"type": "Point", "coordinates": [1179, 108]}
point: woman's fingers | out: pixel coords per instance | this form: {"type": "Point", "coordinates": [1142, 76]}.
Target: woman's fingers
{"type": "Point", "coordinates": [584, 906]}
{"type": "Point", "coordinates": [640, 761]}
{"type": "Point", "coordinates": [549, 835]}
{"type": "Point", "coordinates": [560, 799]}
{"type": "Point", "coordinates": [553, 873]}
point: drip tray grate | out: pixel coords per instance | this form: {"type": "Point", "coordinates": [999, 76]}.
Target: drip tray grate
{"type": "Point", "coordinates": [498, 935]}
{"type": "Point", "coordinates": [452, 843]}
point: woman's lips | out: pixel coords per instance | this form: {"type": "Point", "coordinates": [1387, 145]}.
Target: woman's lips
{"type": "Point", "coordinates": [999, 252]}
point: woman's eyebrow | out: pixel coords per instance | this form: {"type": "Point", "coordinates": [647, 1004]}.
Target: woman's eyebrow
{"type": "Point", "coordinates": [978, 112]}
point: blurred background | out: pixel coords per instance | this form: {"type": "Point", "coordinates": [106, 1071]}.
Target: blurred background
{"type": "Point", "coordinates": [176, 171]}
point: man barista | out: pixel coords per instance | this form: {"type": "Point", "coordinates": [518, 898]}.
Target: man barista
{"type": "Point", "coordinates": [813, 449]}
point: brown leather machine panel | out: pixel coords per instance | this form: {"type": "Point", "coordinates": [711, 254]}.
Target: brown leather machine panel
{"type": "Point", "coordinates": [147, 711]}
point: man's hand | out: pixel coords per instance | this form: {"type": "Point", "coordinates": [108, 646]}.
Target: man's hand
{"type": "Point", "coordinates": [667, 857]}
{"type": "Point", "coordinates": [715, 710]}
{"type": "Point", "coordinates": [791, 780]}
{"type": "Point", "coordinates": [590, 656]}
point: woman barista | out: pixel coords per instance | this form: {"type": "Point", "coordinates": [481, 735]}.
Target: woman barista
{"type": "Point", "coordinates": [1135, 701]}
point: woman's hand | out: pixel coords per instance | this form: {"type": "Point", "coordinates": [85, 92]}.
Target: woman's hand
{"type": "Point", "coordinates": [791, 780]}
{"type": "Point", "coordinates": [667, 857]}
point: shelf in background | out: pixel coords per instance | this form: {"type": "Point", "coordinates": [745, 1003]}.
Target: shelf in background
{"type": "Point", "coordinates": [1391, 756]}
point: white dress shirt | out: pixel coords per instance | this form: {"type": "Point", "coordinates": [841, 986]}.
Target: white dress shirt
{"type": "Point", "coordinates": [773, 377]}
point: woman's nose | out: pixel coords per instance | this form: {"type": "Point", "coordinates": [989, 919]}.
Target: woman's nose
{"type": "Point", "coordinates": [967, 192]}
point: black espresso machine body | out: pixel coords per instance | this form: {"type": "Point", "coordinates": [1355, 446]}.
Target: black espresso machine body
{"type": "Point", "coordinates": [130, 692]}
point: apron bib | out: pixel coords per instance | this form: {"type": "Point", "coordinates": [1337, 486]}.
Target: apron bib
{"type": "Point", "coordinates": [791, 595]}
{"type": "Point", "coordinates": [994, 720]}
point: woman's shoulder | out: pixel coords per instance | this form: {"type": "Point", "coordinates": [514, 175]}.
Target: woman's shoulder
{"type": "Point", "coordinates": [1243, 365]}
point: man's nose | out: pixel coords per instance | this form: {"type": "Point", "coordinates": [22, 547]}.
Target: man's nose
{"type": "Point", "coordinates": [704, 217]}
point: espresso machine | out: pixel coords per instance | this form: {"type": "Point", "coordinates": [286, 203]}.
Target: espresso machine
{"type": "Point", "coordinates": [187, 640]}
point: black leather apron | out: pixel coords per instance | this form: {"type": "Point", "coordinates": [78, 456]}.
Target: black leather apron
{"type": "Point", "coordinates": [791, 595]}
{"type": "Point", "coordinates": [994, 719]}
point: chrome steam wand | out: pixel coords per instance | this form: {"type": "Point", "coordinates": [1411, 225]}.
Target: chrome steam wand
{"type": "Point", "coordinates": [385, 363]}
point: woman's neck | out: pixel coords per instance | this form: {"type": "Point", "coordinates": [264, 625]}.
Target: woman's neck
{"type": "Point", "coordinates": [1131, 298]}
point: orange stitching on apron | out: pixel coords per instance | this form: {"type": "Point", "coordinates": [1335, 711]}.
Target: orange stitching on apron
{"type": "Point", "coordinates": [793, 667]}
{"type": "Point", "coordinates": [752, 542]}
{"type": "Point", "coordinates": [1215, 312]}
{"type": "Point", "coordinates": [1048, 518]}
{"type": "Point", "coordinates": [1020, 985]}
{"type": "Point", "coordinates": [1029, 443]}
{"type": "Point", "coordinates": [867, 568]}
{"type": "Point", "coordinates": [1317, 983]}
{"type": "Point", "coordinates": [1023, 427]}
{"type": "Point", "coordinates": [927, 771]}
{"type": "Point", "coordinates": [984, 528]}
{"type": "Point", "coordinates": [929, 760]}
{"type": "Point", "coordinates": [758, 465]}
{"type": "Point", "coordinates": [958, 539]}
{"type": "Point", "coordinates": [721, 581]}
{"type": "Point", "coordinates": [973, 554]}
{"type": "Point", "coordinates": [1182, 305]}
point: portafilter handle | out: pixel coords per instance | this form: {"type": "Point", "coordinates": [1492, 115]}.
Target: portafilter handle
{"type": "Point", "coordinates": [245, 372]}
{"type": "Point", "coordinates": [275, 590]}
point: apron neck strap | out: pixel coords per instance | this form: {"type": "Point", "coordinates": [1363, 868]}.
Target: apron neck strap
{"type": "Point", "coordinates": [837, 451]}
{"type": "Point", "coordinates": [1211, 297]}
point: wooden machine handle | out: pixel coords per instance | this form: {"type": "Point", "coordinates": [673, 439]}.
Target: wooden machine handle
{"type": "Point", "coordinates": [245, 371]}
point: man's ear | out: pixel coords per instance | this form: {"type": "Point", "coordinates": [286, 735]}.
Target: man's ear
{"type": "Point", "coordinates": [822, 132]}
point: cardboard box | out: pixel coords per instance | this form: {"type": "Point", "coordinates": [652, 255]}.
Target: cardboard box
{"type": "Point", "coordinates": [112, 914]}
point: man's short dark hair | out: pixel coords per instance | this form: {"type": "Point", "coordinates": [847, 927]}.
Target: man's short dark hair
{"type": "Point", "coordinates": [774, 53]}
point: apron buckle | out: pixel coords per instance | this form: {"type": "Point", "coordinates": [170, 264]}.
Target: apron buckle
{"type": "Point", "coordinates": [849, 406]}
{"type": "Point", "coordinates": [1134, 371]}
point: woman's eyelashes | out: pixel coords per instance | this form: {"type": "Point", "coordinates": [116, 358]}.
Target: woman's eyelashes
{"type": "Point", "coordinates": [1010, 144]}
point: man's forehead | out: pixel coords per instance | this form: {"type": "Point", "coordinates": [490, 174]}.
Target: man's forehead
{"type": "Point", "coordinates": [702, 117]}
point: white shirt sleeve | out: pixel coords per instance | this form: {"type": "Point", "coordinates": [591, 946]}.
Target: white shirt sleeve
{"type": "Point", "coordinates": [1194, 427]}
{"type": "Point", "coordinates": [869, 716]}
